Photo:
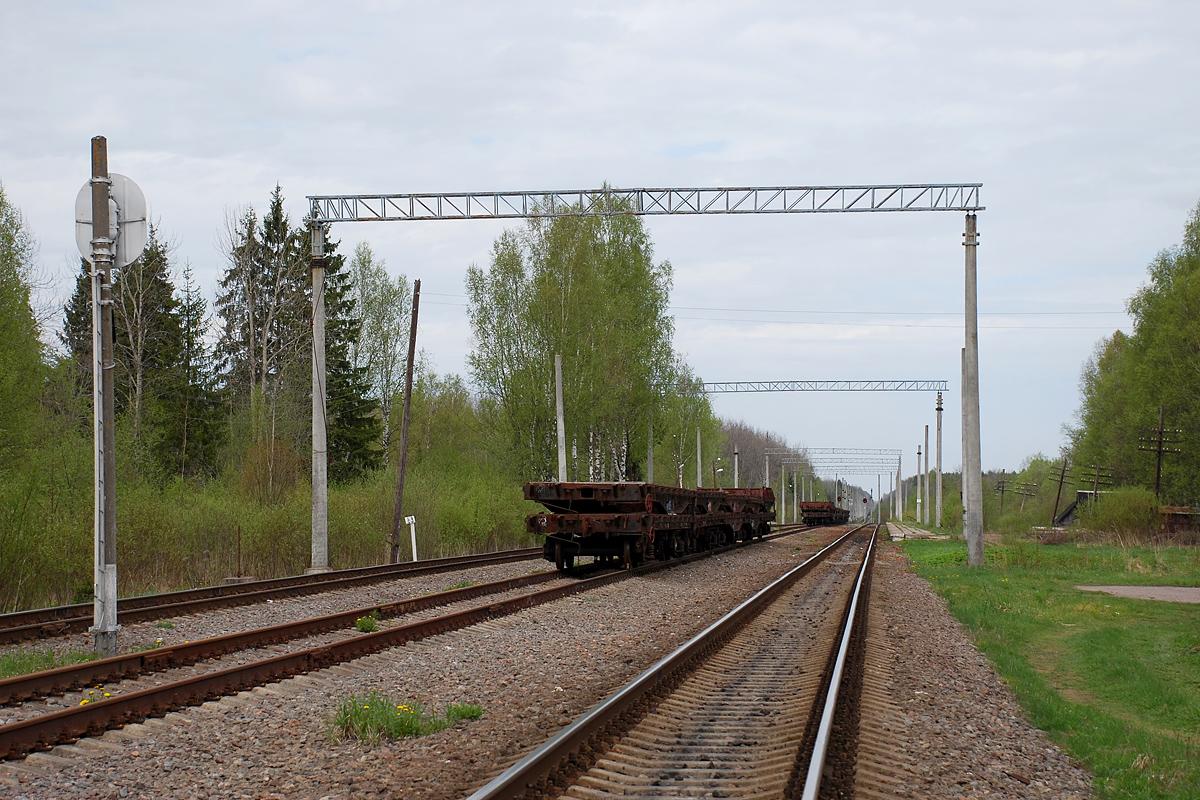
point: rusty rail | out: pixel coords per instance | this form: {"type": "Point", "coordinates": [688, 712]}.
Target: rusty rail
{"type": "Point", "coordinates": [19, 738]}
{"type": "Point", "coordinates": [42, 622]}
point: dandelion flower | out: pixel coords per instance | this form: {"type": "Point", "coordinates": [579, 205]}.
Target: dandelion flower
{"type": "Point", "coordinates": [84, 702]}
{"type": "Point", "coordinates": [108, 694]}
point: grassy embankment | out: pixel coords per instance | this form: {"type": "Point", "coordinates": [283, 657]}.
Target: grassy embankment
{"type": "Point", "coordinates": [1116, 682]}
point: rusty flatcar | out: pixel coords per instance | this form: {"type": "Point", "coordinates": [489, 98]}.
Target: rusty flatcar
{"type": "Point", "coordinates": [627, 523]}
{"type": "Point", "coordinates": [823, 512]}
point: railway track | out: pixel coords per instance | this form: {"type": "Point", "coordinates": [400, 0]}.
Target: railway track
{"type": "Point", "coordinates": [45, 730]}
{"type": "Point", "coordinates": [762, 703]}
{"type": "Point", "coordinates": [56, 620]}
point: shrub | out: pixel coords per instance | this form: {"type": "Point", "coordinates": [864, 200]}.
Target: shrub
{"type": "Point", "coordinates": [1129, 511]}
{"type": "Point", "coordinates": [367, 624]}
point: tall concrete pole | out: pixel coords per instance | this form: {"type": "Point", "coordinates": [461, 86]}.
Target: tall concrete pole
{"type": "Point", "coordinates": [795, 502]}
{"type": "Point", "coordinates": [402, 469]}
{"type": "Point", "coordinates": [650, 448]}
{"type": "Point", "coordinates": [925, 478]}
{"type": "Point", "coordinates": [917, 517]}
{"type": "Point", "coordinates": [962, 478]}
{"type": "Point", "coordinates": [878, 498]}
{"type": "Point", "coordinates": [699, 465]}
{"type": "Point", "coordinates": [782, 494]}
{"type": "Point", "coordinates": [900, 486]}
{"type": "Point", "coordinates": [937, 500]}
{"type": "Point", "coordinates": [972, 469]}
{"type": "Point", "coordinates": [735, 468]}
{"type": "Point", "coordinates": [320, 447]}
{"type": "Point", "coordinates": [104, 567]}
{"type": "Point", "coordinates": [558, 411]}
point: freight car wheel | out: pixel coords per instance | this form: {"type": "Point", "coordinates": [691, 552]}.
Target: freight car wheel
{"type": "Point", "coordinates": [563, 561]}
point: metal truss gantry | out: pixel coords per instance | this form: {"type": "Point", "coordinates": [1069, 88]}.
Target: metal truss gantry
{"type": "Point", "coordinates": [415, 206]}
{"type": "Point", "coordinates": [729, 387]}
{"type": "Point", "coordinates": [661, 201]}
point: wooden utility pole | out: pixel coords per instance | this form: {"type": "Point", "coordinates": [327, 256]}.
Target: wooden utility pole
{"type": "Point", "coordinates": [1160, 440]}
{"type": "Point", "coordinates": [398, 514]}
{"type": "Point", "coordinates": [1062, 478]}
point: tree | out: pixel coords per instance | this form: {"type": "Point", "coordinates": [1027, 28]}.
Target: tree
{"type": "Point", "coordinates": [76, 333]}
{"type": "Point", "coordinates": [585, 287]}
{"type": "Point", "coordinates": [191, 429]}
{"type": "Point", "coordinates": [262, 299]}
{"type": "Point", "coordinates": [20, 347]}
{"type": "Point", "coordinates": [1130, 376]}
{"type": "Point", "coordinates": [149, 337]}
{"type": "Point", "coordinates": [354, 425]}
{"type": "Point", "coordinates": [381, 348]}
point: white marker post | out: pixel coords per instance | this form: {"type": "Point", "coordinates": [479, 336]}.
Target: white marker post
{"type": "Point", "coordinates": [412, 533]}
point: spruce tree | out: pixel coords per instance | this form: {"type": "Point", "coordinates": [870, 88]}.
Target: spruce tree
{"type": "Point", "coordinates": [191, 430]}
{"type": "Point", "coordinates": [76, 333]}
{"type": "Point", "coordinates": [149, 337]}
{"type": "Point", "coordinates": [355, 428]}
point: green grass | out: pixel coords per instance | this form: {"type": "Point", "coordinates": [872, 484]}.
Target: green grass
{"type": "Point", "coordinates": [367, 624]}
{"type": "Point", "coordinates": [376, 717]}
{"type": "Point", "coordinates": [165, 624]}
{"type": "Point", "coordinates": [24, 662]}
{"type": "Point", "coordinates": [1115, 681]}
{"type": "Point", "coordinates": [462, 585]}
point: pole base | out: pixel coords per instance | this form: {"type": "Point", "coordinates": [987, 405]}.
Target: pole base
{"type": "Point", "coordinates": [105, 643]}
{"type": "Point", "coordinates": [317, 570]}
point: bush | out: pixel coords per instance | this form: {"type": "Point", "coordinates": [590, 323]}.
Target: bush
{"type": "Point", "coordinates": [1129, 511]}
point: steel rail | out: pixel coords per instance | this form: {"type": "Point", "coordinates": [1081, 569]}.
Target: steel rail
{"type": "Point", "coordinates": [820, 748]}
{"type": "Point", "coordinates": [129, 665]}
{"type": "Point", "coordinates": [539, 765]}
{"type": "Point", "coordinates": [19, 738]}
{"type": "Point", "coordinates": [56, 620]}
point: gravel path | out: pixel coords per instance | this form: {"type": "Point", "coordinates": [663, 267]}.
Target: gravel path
{"type": "Point", "coordinates": [191, 627]}
{"type": "Point", "coordinates": [959, 722]}
{"type": "Point", "coordinates": [533, 672]}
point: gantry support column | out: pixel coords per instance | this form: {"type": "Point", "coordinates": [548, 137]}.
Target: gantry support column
{"type": "Point", "coordinates": [937, 500]}
{"type": "Point", "coordinates": [925, 477]}
{"type": "Point", "coordinates": [972, 469]}
{"type": "Point", "coordinates": [320, 454]}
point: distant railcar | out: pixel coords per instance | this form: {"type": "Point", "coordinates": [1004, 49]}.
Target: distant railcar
{"type": "Point", "coordinates": [823, 512]}
{"type": "Point", "coordinates": [627, 523]}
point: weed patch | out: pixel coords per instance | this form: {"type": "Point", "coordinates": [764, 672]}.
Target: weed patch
{"type": "Point", "coordinates": [367, 624]}
{"type": "Point", "coordinates": [23, 662]}
{"type": "Point", "coordinates": [375, 717]}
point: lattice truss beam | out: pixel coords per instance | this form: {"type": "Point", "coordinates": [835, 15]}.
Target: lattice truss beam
{"type": "Point", "coordinates": [728, 387]}
{"type": "Point", "coordinates": [874, 451]}
{"type": "Point", "coordinates": [646, 201]}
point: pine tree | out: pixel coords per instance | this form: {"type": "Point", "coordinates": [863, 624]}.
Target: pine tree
{"type": "Point", "coordinates": [353, 417]}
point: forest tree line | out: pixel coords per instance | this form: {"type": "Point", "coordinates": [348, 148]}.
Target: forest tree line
{"type": "Point", "coordinates": [213, 400]}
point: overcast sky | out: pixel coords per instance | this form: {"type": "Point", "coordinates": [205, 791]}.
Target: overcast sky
{"type": "Point", "coordinates": [1080, 118]}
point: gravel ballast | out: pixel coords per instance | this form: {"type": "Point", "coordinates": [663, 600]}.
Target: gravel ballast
{"type": "Point", "coordinates": [959, 722]}
{"type": "Point", "coordinates": [216, 622]}
{"type": "Point", "coordinates": [534, 672]}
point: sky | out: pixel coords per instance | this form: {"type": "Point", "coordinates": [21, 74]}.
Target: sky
{"type": "Point", "coordinates": [1079, 118]}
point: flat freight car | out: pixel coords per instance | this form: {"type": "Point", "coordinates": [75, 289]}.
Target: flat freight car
{"type": "Point", "coordinates": [823, 512]}
{"type": "Point", "coordinates": [627, 523]}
